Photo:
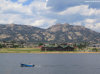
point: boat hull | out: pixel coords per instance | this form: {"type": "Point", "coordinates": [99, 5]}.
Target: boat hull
{"type": "Point", "coordinates": [27, 65]}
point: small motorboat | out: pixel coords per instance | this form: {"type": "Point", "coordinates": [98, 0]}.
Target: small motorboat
{"type": "Point", "coordinates": [27, 65]}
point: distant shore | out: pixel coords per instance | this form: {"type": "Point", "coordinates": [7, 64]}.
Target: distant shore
{"type": "Point", "coordinates": [41, 52]}
{"type": "Point", "coordinates": [37, 50]}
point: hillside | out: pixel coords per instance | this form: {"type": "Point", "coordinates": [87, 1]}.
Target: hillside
{"type": "Point", "coordinates": [70, 33]}
{"type": "Point", "coordinates": [55, 33]}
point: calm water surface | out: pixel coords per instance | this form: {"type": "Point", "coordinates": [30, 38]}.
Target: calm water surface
{"type": "Point", "coordinates": [50, 63]}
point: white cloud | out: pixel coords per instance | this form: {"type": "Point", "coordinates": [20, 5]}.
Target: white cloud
{"type": "Point", "coordinates": [43, 21]}
{"type": "Point", "coordinates": [8, 7]}
{"type": "Point", "coordinates": [90, 16]}
{"type": "Point", "coordinates": [92, 24]}
{"type": "Point", "coordinates": [82, 10]}
{"type": "Point", "coordinates": [37, 6]}
{"type": "Point", "coordinates": [15, 18]}
{"type": "Point", "coordinates": [77, 23]}
{"type": "Point", "coordinates": [29, 14]}
{"type": "Point", "coordinates": [95, 26]}
{"type": "Point", "coordinates": [90, 11]}
{"type": "Point", "coordinates": [73, 10]}
{"type": "Point", "coordinates": [18, 19]}
{"type": "Point", "coordinates": [90, 21]}
{"type": "Point", "coordinates": [37, 12]}
{"type": "Point", "coordinates": [22, 1]}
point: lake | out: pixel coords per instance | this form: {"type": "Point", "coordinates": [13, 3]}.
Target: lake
{"type": "Point", "coordinates": [78, 63]}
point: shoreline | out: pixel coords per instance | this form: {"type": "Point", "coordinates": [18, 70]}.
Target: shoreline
{"type": "Point", "coordinates": [49, 52]}
{"type": "Point", "coordinates": [38, 51]}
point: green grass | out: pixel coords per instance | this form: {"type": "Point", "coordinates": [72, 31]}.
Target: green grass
{"type": "Point", "coordinates": [19, 50]}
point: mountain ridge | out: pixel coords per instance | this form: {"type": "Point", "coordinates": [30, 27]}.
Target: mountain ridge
{"type": "Point", "coordinates": [56, 33]}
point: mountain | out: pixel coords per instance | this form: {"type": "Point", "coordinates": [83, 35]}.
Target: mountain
{"type": "Point", "coordinates": [70, 33]}
{"type": "Point", "coordinates": [55, 33]}
{"type": "Point", "coordinates": [14, 32]}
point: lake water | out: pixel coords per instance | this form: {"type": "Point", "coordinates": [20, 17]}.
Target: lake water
{"type": "Point", "coordinates": [50, 63]}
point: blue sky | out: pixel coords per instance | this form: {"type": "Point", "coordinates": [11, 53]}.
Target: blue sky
{"type": "Point", "coordinates": [45, 13]}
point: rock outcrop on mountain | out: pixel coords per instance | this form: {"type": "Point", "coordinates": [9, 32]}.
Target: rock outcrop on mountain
{"type": "Point", "coordinates": [55, 33]}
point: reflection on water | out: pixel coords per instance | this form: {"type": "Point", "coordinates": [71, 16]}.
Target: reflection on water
{"type": "Point", "coordinates": [50, 63]}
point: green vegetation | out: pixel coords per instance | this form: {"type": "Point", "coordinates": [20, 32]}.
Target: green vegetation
{"type": "Point", "coordinates": [38, 50]}
{"type": "Point", "coordinates": [40, 44]}
{"type": "Point", "coordinates": [1, 46]}
{"type": "Point", "coordinates": [95, 49]}
{"type": "Point", "coordinates": [19, 50]}
{"type": "Point", "coordinates": [21, 47]}
{"type": "Point", "coordinates": [81, 45]}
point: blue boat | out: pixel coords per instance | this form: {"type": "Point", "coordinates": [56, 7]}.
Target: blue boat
{"type": "Point", "coordinates": [27, 65]}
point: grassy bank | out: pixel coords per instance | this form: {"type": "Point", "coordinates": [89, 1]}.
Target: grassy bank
{"type": "Point", "coordinates": [36, 50]}
{"type": "Point", "coordinates": [19, 50]}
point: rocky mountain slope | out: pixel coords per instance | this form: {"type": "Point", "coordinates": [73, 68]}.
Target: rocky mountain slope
{"type": "Point", "coordinates": [56, 33]}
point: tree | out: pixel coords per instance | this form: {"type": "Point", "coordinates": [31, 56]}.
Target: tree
{"type": "Point", "coordinates": [82, 45]}
{"type": "Point", "coordinates": [1, 46]}
{"type": "Point", "coordinates": [95, 49]}
{"type": "Point", "coordinates": [40, 44]}
{"type": "Point", "coordinates": [15, 46]}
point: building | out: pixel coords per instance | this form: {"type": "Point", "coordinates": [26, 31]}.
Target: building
{"type": "Point", "coordinates": [58, 48]}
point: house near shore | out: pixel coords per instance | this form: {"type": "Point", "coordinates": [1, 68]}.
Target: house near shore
{"type": "Point", "coordinates": [57, 48]}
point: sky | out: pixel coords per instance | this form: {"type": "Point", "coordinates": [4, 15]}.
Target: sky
{"type": "Point", "coordinates": [45, 13]}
